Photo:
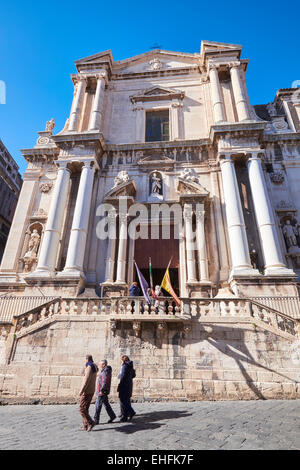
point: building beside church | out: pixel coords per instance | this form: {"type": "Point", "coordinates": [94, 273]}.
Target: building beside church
{"type": "Point", "coordinates": [163, 157]}
{"type": "Point", "coordinates": [10, 187]}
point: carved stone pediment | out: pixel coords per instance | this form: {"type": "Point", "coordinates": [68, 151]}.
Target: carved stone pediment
{"type": "Point", "coordinates": [191, 189]}
{"type": "Point", "coordinates": [157, 93]}
{"type": "Point", "coordinates": [127, 188]}
{"type": "Point", "coordinates": [156, 161]}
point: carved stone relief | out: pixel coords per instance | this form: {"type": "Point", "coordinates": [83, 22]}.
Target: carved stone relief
{"type": "Point", "coordinates": [277, 177]}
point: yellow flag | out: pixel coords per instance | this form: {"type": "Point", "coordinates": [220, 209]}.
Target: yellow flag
{"type": "Point", "coordinates": [166, 284]}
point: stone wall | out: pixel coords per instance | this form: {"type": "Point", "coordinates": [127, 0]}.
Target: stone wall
{"type": "Point", "coordinates": [234, 361]}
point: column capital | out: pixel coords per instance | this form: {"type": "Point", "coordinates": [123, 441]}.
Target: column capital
{"type": "Point", "coordinates": [90, 164]}
{"type": "Point", "coordinates": [234, 64]}
{"type": "Point", "coordinates": [101, 75]}
{"type": "Point", "coordinates": [212, 66]}
{"type": "Point", "coordinates": [123, 217]}
{"type": "Point", "coordinates": [256, 155]}
{"type": "Point", "coordinates": [177, 105]}
{"type": "Point", "coordinates": [188, 211]}
{"type": "Point", "coordinates": [79, 78]}
{"type": "Point", "coordinates": [63, 165]}
{"type": "Point", "coordinates": [224, 158]}
{"type": "Point", "coordinates": [200, 214]}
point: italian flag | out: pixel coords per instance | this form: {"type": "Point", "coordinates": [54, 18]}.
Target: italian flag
{"type": "Point", "coordinates": [154, 296]}
{"type": "Point", "coordinates": [167, 286]}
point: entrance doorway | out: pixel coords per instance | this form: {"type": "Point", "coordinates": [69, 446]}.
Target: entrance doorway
{"type": "Point", "coordinates": [160, 251]}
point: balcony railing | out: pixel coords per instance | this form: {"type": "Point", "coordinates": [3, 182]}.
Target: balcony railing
{"type": "Point", "coordinates": [136, 309]}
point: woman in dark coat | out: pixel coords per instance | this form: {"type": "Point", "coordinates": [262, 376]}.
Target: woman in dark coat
{"type": "Point", "coordinates": [125, 388]}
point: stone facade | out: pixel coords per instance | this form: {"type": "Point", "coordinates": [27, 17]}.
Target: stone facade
{"type": "Point", "coordinates": [228, 169]}
{"type": "Point", "coordinates": [10, 187]}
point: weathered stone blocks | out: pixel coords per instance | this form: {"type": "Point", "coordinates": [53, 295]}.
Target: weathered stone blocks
{"type": "Point", "coordinates": [50, 365]}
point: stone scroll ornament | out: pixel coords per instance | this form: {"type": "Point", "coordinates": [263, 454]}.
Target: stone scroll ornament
{"type": "Point", "coordinates": [45, 187]}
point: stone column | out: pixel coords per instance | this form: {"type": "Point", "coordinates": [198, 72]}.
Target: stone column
{"type": "Point", "coordinates": [140, 124]}
{"type": "Point", "coordinates": [175, 112]}
{"type": "Point", "coordinates": [50, 244]}
{"type": "Point", "coordinates": [77, 104]}
{"type": "Point", "coordinates": [97, 108]}
{"type": "Point", "coordinates": [111, 249]}
{"type": "Point", "coordinates": [201, 244]}
{"type": "Point", "coordinates": [77, 242]}
{"type": "Point", "coordinates": [216, 95]}
{"type": "Point", "coordinates": [240, 258]}
{"type": "Point", "coordinates": [275, 265]}
{"type": "Point", "coordinates": [238, 92]}
{"type": "Point", "coordinates": [121, 266]}
{"type": "Point", "coordinates": [190, 252]}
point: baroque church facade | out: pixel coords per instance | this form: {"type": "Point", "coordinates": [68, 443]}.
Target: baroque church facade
{"type": "Point", "coordinates": [164, 145]}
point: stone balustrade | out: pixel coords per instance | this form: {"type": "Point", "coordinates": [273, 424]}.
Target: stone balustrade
{"type": "Point", "coordinates": [275, 319]}
{"type": "Point", "coordinates": [287, 305]}
{"type": "Point", "coordinates": [135, 309]}
{"type": "Point", "coordinates": [13, 305]}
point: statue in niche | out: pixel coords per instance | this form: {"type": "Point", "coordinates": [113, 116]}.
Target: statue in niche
{"type": "Point", "coordinates": [156, 184]}
{"type": "Point", "coordinates": [50, 125]}
{"type": "Point", "coordinates": [31, 253]}
{"type": "Point", "coordinates": [290, 233]}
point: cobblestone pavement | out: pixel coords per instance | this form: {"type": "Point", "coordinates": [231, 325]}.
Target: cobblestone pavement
{"type": "Point", "coordinates": [268, 424]}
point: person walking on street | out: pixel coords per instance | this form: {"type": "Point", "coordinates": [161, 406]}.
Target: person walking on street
{"type": "Point", "coordinates": [87, 392]}
{"type": "Point", "coordinates": [102, 392]}
{"type": "Point", "coordinates": [125, 388]}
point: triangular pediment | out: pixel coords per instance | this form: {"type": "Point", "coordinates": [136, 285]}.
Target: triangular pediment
{"type": "Point", "coordinates": [211, 49]}
{"type": "Point", "coordinates": [189, 188]}
{"type": "Point", "coordinates": [101, 58]}
{"type": "Point", "coordinates": [127, 188]}
{"type": "Point", "coordinates": [157, 93]}
{"type": "Point", "coordinates": [156, 160]}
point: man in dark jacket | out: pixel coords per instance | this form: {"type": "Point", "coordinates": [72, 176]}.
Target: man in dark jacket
{"type": "Point", "coordinates": [134, 290]}
{"type": "Point", "coordinates": [102, 392]}
{"type": "Point", "coordinates": [125, 388]}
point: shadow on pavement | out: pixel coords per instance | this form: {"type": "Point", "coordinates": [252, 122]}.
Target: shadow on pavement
{"type": "Point", "coordinates": [146, 421]}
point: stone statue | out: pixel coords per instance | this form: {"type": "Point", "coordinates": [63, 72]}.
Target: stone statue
{"type": "Point", "coordinates": [290, 233]}
{"type": "Point", "coordinates": [50, 125]}
{"type": "Point", "coordinates": [157, 292]}
{"type": "Point", "coordinates": [121, 178]}
{"type": "Point", "coordinates": [34, 241]}
{"type": "Point", "coordinates": [30, 255]}
{"type": "Point", "coordinates": [156, 186]}
{"type": "Point", "coordinates": [189, 174]}
{"type": "Point", "coordinates": [271, 109]}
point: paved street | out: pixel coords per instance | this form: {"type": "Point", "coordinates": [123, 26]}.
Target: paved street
{"type": "Point", "coordinates": [268, 424]}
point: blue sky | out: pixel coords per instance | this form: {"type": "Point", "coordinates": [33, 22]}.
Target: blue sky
{"type": "Point", "coordinates": [39, 42]}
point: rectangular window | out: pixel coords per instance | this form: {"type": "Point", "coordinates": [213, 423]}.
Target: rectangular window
{"type": "Point", "coordinates": [157, 125]}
